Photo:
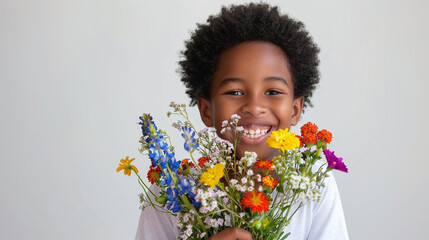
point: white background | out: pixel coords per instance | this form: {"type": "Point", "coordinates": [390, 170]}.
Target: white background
{"type": "Point", "coordinates": [75, 76]}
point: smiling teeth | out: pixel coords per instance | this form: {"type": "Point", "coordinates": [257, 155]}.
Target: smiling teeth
{"type": "Point", "coordinates": [254, 133]}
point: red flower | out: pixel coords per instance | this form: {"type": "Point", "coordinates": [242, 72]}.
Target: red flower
{"type": "Point", "coordinates": [256, 201]}
{"type": "Point", "coordinates": [324, 135]}
{"type": "Point", "coordinates": [153, 174]}
{"type": "Point", "coordinates": [264, 164]}
{"type": "Point", "coordinates": [202, 161]}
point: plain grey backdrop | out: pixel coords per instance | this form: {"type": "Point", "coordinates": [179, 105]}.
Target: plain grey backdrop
{"type": "Point", "coordinates": [75, 76]}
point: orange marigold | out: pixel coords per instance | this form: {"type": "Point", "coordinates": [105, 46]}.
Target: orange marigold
{"type": "Point", "coordinates": [309, 138]}
{"type": "Point", "coordinates": [153, 174]}
{"type": "Point", "coordinates": [308, 128]}
{"type": "Point", "coordinates": [256, 201]}
{"type": "Point", "coordinates": [264, 164]}
{"type": "Point", "coordinates": [325, 135]}
{"type": "Point", "coordinates": [202, 161]}
{"type": "Point", "coordinates": [270, 181]}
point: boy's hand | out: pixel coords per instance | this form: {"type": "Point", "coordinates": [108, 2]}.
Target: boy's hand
{"type": "Point", "coordinates": [232, 234]}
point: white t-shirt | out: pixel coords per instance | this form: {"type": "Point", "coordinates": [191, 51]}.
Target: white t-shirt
{"type": "Point", "coordinates": [322, 220]}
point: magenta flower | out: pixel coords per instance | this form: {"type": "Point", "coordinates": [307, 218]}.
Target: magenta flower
{"type": "Point", "coordinates": [335, 162]}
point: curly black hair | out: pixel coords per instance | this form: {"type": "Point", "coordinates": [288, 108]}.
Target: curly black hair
{"type": "Point", "coordinates": [251, 22]}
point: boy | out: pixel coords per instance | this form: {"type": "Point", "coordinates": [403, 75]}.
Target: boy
{"type": "Point", "coordinates": [261, 65]}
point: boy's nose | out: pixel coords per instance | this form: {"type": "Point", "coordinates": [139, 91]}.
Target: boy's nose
{"type": "Point", "coordinates": [254, 106]}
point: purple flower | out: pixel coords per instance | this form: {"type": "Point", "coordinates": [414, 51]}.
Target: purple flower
{"type": "Point", "coordinates": [335, 162]}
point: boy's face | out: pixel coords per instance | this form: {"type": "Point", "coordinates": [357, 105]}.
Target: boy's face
{"type": "Point", "coordinates": [253, 81]}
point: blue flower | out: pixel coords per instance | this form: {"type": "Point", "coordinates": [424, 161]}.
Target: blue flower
{"type": "Point", "coordinates": [173, 203]}
{"type": "Point", "coordinates": [190, 141]}
{"type": "Point", "coordinates": [166, 178]}
{"type": "Point", "coordinates": [146, 124]}
{"type": "Point", "coordinates": [185, 187]}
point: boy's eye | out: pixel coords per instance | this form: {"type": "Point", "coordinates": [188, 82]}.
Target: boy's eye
{"type": "Point", "coordinates": [272, 92]}
{"type": "Point", "coordinates": [235, 93]}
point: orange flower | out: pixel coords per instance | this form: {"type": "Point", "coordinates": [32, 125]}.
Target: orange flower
{"type": "Point", "coordinates": [269, 181]}
{"type": "Point", "coordinates": [202, 161]}
{"type": "Point", "coordinates": [153, 174]}
{"type": "Point", "coordinates": [126, 166]}
{"type": "Point", "coordinates": [256, 201]}
{"type": "Point", "coordinates": [324, 135]}
{"type": "Point", "coordinates": [308, 128]}
{"type": "Point", "coordinates": [264, 164]}
{"type": "Point", "coordinates": [185, 164]}
{"type": "Point", "coordinates": [308, 138]}
{"type": "Point", "coordinates": [308, 133]}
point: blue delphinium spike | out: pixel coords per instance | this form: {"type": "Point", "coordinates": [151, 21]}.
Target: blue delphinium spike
{"type": "Point", "coordinates": [190, 142]}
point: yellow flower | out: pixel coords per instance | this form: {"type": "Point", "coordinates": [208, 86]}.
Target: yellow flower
{"type": "Point", "coordinates": [283, 140]}
{"type": "Point", "coordinates": [212, 175]}
{"type": "Point", "coordinates": [126, 166]}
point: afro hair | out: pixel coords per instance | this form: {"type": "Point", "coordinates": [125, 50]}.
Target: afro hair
{"type": "Point", "coordinates": [241, 23]}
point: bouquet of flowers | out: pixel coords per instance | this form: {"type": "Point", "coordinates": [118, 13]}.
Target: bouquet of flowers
{"type": "Point", "coordinates": [212, 190]}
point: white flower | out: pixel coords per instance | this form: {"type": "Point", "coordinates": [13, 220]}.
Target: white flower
{"type": "Point", "coordinates": [239, 129]}
{"type": "Point", "coordinates": [250, 189]}
{"type": "Point", "coordinates": [189, 231]}
{"type": "Point", "coordinates": [202, 235]}
{"type": "Point", "coordinates": [258, 178]}
{"type": "Point", "coordinates": [260, 189]}
{"type": "Point", "coordinates": [227, 220]}
{"type": "Point", "coordinates": [186, 217]}
{"type": "Point", "coordinates": [220, 221]}
{"type": "Point", "coordinates": [249, 172]}
{"type": "Point", "coordinates": [251, 183]}
{"type": "Point", "coordinates": [233, 182]}
{"type": "Point", "coordinates": [203, 210]}
{"type": "Point", "coordinates": [235, 118]}
{"type": "Point", "coordinates": [214, 223]}
{"type": "Point", "coordinates": [224, 123]}
{"type": "Point", "coordinates": [244, 180]}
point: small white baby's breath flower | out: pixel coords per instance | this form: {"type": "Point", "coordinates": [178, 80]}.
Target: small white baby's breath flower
{"type": "Point", "coordinates": [220, 221]}
{"type": "Point", "coordinates": [235, 118]}
{"type": "Point", "coordinates": [239, 129]}
{"type": "Point", "coordinates": [224, 123]}
{"type": "Point", "coordinates": [251, 183]}
{"type": "Point", "coordinates": [244, 180]}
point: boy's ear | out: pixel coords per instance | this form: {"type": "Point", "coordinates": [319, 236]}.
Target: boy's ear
{"type": "Point", "coordinates": [205, 107]}
{"type": "Point", "coordinates": [298, 104]}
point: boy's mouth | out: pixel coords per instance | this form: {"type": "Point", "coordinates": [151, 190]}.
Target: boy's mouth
{"type": "Point", "coordinates": [255, 131]}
